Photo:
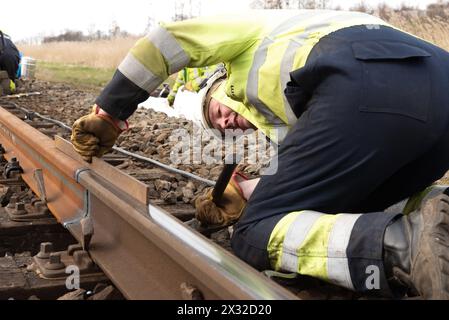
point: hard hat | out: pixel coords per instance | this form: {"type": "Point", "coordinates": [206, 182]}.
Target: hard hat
{"type": "Point", "coordinates": [200, 110]}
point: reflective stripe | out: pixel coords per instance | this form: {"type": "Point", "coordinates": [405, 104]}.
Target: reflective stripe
{"type": "Point", "coordinates": [278, 134]}
{"type": "Point", "coordinates": [252, 89]}
{"type": "Point", "coordinates": [198, 80]}
{"type": "Point", "coordinates": [314, 244]}
{"type": "Point", "coordinates": [195, 72]}
{"type": "Point", "coordinates": [287, 63]}
{"type": "Point", "coordinates": [297, 232]}
{"type": "Point", "coordinates": [337, 265]}
{"type": "Point", "coordinates": [173, 53]}
{"type": "Point", "coordinates": [138, 74]}
{"type": "Point", "coordinates": [277, 237]}
{"type": "Point", "coordinates": [286, 67]}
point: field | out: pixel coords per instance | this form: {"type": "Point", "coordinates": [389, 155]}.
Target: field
{"type": "Point", "coordinates": [84, 64]}
{"type": "Point", "coordinates": [92, 63]}
{"type": "Point", "coordinates": [435, 29]}
{"type": "Point", "coordinates": [100, 54]}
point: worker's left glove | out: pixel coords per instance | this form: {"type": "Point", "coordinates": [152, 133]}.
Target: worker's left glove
{"type": "Point", "coordinates": [96, 133]}
{"type": "Point", "coordinates": [229, 208]}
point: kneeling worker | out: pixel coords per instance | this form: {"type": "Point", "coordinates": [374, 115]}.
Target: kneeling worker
{"type": "Point", "coordinates": [361, 112]}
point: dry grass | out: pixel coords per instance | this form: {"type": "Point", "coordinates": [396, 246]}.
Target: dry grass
{"type": "Point", "coordinates": [104, 54]}
{"type": "Point", "coordinates": [435, 30]}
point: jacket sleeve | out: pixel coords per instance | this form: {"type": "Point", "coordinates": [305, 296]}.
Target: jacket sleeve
{"type": "Point", "coordinates": [168, 49]}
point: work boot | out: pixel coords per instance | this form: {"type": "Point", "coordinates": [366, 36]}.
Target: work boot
{"type": "Point", "coordinates": [416, 251]}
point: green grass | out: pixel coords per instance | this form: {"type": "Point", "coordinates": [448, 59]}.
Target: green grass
{"type": "Point", "coordinates": [77, 75]}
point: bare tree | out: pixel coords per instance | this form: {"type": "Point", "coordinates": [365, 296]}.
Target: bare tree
{"type": "Point", "coordinates": [186, 9]}
{"type": "Point", "coordinates": [114, 30]}
{"type": "Point", "coordinates": [362, 6]}
{"type": "Point", "coordinates": [290, 4]}
{"type": "Point", "coordinates": [312, 4]}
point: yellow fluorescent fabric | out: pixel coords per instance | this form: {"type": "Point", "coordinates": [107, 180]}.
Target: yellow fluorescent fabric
{"type": "Point", "coordinates": [277, 237]}
{"type": "Point", "coordinates": [313, 252]}
{"type": "Point", "coordinates": [149, 56]}
{"type": "Point", "coordinates": [313, 244]}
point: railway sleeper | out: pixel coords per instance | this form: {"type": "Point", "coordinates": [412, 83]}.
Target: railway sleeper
{"type": "Point", "coordinates": [18, 282]}
{"type": "Point", "coordinates": [25, 221]}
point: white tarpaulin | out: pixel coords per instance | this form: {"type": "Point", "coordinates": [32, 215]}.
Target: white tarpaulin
{"type": "Point", "coordinates": [185, 105]}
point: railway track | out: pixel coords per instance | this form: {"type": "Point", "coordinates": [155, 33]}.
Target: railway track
{"type": "Point", "coordinates": [120, 233]}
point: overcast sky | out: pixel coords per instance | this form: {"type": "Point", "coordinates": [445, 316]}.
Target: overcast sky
{"type": "Point", "coordinates": [51, 17]}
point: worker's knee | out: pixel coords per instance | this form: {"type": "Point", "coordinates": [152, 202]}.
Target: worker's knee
{"type": "Point", "coordinates": [249, 242]}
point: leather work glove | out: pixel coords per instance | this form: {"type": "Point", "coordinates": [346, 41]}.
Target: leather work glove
{"type": "Point", "coordinates": [227, 211]}
{"type": "Point", "coordinates": [95, 134]}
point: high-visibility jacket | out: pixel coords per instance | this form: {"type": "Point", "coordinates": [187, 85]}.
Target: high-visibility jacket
{"type": "Point", "coordinates": [192, 77]}
{"type": "Point", "coordinates": [259, 49]}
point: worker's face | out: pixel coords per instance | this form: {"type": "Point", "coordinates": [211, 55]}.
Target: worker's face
{"type": "Point", "coordinates": [223, 117]}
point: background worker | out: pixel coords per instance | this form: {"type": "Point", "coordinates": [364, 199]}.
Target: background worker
{"type": "Point", "coordinates": [362, 112]}
{"type": "Point", "coordinates": [191, 79]}
{"type": "Point", "coordinates": [9, 60]}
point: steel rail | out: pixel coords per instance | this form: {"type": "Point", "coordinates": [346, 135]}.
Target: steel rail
{"type": "Point", "coordinates": [115, 148]}
{"type": "Point", "coordinates": [145, 251]}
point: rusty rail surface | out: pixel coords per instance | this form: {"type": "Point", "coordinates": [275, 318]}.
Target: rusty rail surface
{"type": "Point", "coordinates": [146, 252]}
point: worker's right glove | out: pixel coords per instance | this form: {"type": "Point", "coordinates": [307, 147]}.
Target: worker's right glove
{"type": "Point", "coordinates": [229, 208]}
{"type": "Point", "coordinates": [96, 133]}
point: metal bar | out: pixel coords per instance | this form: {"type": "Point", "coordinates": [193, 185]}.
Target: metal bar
{"type": "Point", "coordinates": [133, 187]}
{"type": "Point", "coordinates": [223, 181]}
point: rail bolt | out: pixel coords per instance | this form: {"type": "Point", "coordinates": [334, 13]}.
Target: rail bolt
{"type": "Point", "coordinates": [20, 209]}
{"type": "Point", "coordinates": [46, 250]}
{"type": "Point", "coordinates": [12, 202]}
{"type": "Point", "coordinates": [40, 206]}
{"type": "Point", "coordinates": [12, 167]}
{"type": "Point", "coordinates": [54, 262]}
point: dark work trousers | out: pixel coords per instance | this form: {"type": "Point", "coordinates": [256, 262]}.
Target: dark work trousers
{"type": "Point", "coordinates": [9, 58]}
{"type": "Point", "coordinates": [373, 128]}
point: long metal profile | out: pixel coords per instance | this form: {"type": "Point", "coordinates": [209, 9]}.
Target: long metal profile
{"type": "Point", "coordinates": [146, 252]}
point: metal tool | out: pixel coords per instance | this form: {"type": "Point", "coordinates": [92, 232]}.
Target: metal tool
{"type": "Point", "coordinates": [223, 181]}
